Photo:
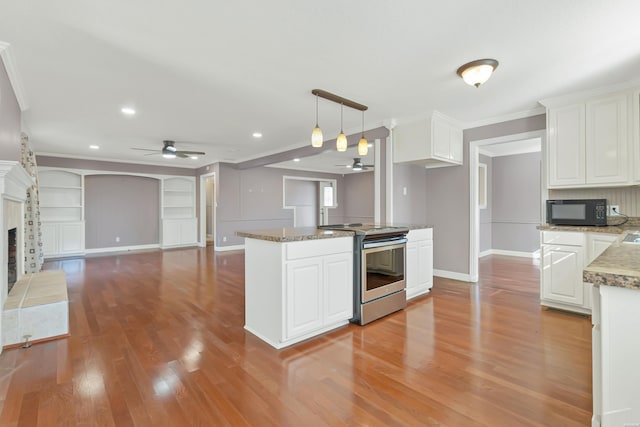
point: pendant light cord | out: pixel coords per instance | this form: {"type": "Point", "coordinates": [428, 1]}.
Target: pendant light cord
{"type": "Point", "coordinates": [316, 110]}
{"type": "Point", "coordinates": [341, 108]}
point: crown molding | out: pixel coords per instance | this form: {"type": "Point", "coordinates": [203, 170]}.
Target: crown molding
{"type": "Point", "coordinates": [6, 54]}
{"type": "Point", "coordinates": [590, 93]}
{"type": "Point", "coordinates": [504, 118]}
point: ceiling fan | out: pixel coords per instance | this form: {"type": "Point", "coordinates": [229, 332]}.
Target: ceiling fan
{"type": "Point", "coordinates": [357, 165]}
{"type": "Point", "coordinates": [169, 151]}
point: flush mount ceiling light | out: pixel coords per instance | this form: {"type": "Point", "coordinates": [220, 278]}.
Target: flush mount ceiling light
{"type": "Point", "coordinates": [477, 72]}
{"type": "Point", "coordinates": [341, 141]}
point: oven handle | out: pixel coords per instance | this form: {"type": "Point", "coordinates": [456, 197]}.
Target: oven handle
{"type": "Point", "coordinates": [386, 242]}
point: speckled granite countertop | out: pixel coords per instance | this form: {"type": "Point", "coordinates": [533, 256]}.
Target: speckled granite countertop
{"type": "Point", "coordinates": [413, 226]}
{"type": "Point", "coordinates": [293, 234]}
{"type": "Point", "coordinates": [632, 224]}
{"type": "Point", "coordinates": [619, 265]}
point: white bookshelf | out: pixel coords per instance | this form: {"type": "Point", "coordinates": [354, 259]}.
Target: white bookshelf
{"type": "Point", "coordinates": [61, 212]}
{"type": "Point", "coordinates": [179, 221]}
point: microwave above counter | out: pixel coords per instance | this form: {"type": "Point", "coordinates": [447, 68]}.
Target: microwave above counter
{"type": "Point", "coordinates": [587, 212]}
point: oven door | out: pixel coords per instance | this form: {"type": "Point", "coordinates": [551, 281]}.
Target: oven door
{"type": "Point", "coordinates": [383, 267]}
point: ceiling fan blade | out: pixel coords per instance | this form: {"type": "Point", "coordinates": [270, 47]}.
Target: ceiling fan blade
{"type": "Point", "coordinates": [191, 153]}
{"type": "Point", "coordinates": [181, 154]}
{"type": "Point", "coordinates": [151, 154]}
{"type": "Point", "coordinates": [143, 149]}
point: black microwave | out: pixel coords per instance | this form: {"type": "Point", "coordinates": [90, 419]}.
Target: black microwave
{"type": "Point", "coordinates": [591, 212]}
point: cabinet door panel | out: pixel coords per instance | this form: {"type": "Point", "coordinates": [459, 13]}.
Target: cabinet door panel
{"type": "Point", "coordinates": [71, 238]}
{"type": "Point", "coordinates": [606, 140]}
{"type": "Point", "coordinates": [562, 274]}
{"type": "Point", "coordinates": [412, 268]}
{"type": "Point", "coordinates": [303, 296]}
{"type": "Point", "coordinates": [440, 140]}
{"type": "Point", "coordinates": [338, 283]}
{"type": "Point", "coordinates": [566, 149]}
{"type": "Point", "coordinates": [171, 232]}
{"type": "Point", "coordinates": [455, 144]}
{"type": "Point", "coordinates": [49, 239]}
{"type": "Point", "coordinates": [425, 263]}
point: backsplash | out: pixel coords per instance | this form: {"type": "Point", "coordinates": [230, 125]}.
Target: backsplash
{"type": "Point", "coordinates": [628, 198]}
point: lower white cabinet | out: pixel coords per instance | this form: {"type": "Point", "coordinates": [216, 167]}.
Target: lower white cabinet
{"type": "Point", "coordinates": [419, 273]}
{"type": "Point", "coordinates": [179, 232]}
{"type": "Point", "coordinates": [565, 254]}
{"type": "Point", "coordinates": [296, 290]}
{"type": "Point", "coordinates": [615, 346]}
{"type": "Point", "coordinates": [63, 238]}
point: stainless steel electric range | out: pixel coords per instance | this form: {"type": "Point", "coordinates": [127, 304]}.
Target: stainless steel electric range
{"type": "Point", "coordinates": [379, 264]}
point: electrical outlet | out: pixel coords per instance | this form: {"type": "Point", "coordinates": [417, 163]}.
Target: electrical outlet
{"type": "Point", "coordinates": [117, 239]}
{"type": "Point", "coordinates": [613, 210]}
{"type": "Point", "coordinates": [224, 239]}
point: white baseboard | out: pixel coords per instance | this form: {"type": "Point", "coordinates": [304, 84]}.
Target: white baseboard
{"type": "Point", "coordinates": [452, 275]}
{"type": "Point", "coordinates": [534, 254]}
{"type": "Point", "coordinates": [122, 249]}
{"type": "Point", "coordinates": [228, 248]}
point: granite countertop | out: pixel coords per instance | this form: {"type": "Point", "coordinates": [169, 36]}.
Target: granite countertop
{"type": "Point", "coordinates": [413, 226]}
{"type": "Point", "coordinates": [618, 265]}
{"type": "Point", "coordinates": [611, 229]}
{"type": "Point", "coordinates": [293, 234]}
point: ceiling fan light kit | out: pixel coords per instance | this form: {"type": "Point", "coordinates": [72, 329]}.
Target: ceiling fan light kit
{"type": "Point", "coordinates": [477, 72]}
{"type": "Point", "coordinates": [341, 140]}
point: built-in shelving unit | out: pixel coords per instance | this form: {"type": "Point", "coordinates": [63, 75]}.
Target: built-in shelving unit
{"type": "Point", "coordinates": [61, 212]}
{"type": "Point", "coordinates": [179, 211]}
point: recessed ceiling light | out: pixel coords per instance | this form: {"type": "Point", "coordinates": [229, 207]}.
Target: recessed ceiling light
{"type": "Point", "coordinates": [348, 166]}
{"type": "Point", "coordinates": [193, 157]}
{"type": "Point", "coordinates": [128, 111]}
{"type": "Point", "coordinates": [296, 160]}
{"type": "Point", "coordinates": [257, 135]}
{"type": "Point", "coordinates": [94, 147]}
{"type": "Point", "coordinates": [370, 144]}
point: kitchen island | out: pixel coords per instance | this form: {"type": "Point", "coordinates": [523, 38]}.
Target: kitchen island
{"type": "Point", "coordinates": [615, 275]}
{"type": "Point", "coordinates": [298, 283]}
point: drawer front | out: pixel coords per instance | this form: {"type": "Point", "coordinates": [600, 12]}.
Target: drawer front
{"type": "Point", "coordinates": [422, 234]}
{"type": "Point", "coordinates": [571, 238]}
{"type": "Point", "coordinates": [320, 247]}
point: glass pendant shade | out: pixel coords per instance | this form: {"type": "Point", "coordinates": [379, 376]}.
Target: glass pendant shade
{"type": "Point", "coordinates": [341, 142]}
{"type": "Point", "coordinates": [363, 146]}
{"type": "Point", "coordinates": [316, 137]}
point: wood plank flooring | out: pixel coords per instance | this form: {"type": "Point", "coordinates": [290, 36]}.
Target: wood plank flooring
{"type": "Point", "coordinates": [157, 339]}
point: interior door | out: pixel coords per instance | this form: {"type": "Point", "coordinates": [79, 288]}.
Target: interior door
{"type": "Point", "coordinates": [327, 195]}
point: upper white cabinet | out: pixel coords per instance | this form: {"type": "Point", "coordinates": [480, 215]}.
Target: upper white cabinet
{"type": "Point", "coordinates": [61, 212]}
{"type": "Point", "coordinates": [433, 142]}
{"type": "Point", "coordinates": [588, 142]}
{"type": "Point", "coordinates": [179, 223]}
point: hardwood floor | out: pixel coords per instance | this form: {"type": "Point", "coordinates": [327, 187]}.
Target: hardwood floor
{"type": "Point", "coordinates": [157, 339]}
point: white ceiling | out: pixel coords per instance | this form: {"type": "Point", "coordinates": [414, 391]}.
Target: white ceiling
{"type": "Point", "coordinates": [210, 73]}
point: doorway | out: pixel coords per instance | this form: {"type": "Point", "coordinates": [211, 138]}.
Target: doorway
{"type": "Point", "coordinates": [310, 199]}
{"type": "Point", "coordinates": [208, 209]}
{"type": "Point", "coordinates": [480, 176]}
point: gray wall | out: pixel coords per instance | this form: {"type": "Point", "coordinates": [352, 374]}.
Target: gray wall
{"type": "Point", "coordinates": [251, 199]}
{"type": "Point", "coordinates": [485, 214]}
{"type": "Point", "coordinates": [357, 195]}
{"type": "Point", "coordinates": [9, 119]}
{"type": "Point", "coordinates": [209, 204]}
{"type": "Point", "coordinates": [121, 206]}
{"type": "Point", "coordinates": [412, 207]}
{"type": "Point", "coordinates": [516, 202]}
{"type": "Point", "coordinates": [447, 192]}
{"type": "Point", "coordinates": [304, 196]}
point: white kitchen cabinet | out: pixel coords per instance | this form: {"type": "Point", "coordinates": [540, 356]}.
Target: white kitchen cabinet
{"type": "Point", "coordinates": [615, 347]}
{"type": "Point", "coordinates": [297, 290]}
{"type": "Point", "coordinates": [607, 131]}
{"type": "Point", "coordinates": [433, 142]}
{"type": "Point", "coordinates": [565, 254]}
{"type": "Point", "coordinates": [566, 145]}
{"type": "Point", "coordinates": [419, 272]}
{"type": "Point", "coordinates": [587, 144]}
{"type": "Point", "coordinates": [63, 238]}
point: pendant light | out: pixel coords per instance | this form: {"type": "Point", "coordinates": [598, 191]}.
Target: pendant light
{"type": "Point", "coordinates": [363, 145]}
{"type": "Point", "coordinates": [316, 135]}
{"type": "Point", "coordinates": [341, 141]}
